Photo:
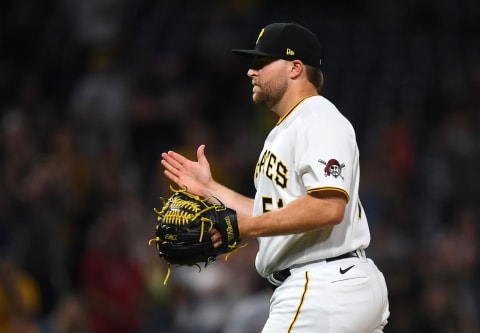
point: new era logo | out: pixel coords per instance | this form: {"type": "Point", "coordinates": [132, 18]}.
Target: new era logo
{"type": "Point", "coordinates": [290, 52]}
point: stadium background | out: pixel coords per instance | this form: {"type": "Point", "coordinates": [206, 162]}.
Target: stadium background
{"type": "Point", "coordinates": [92, 91]}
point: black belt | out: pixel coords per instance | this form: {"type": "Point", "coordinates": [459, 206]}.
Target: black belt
{"type": "Point", "coordinates": [280, 276]}
{"type": "Point", "coordinates": [352, 254]}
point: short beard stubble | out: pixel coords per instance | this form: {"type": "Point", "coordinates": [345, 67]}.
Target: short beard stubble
{"type": "Point", "coordinates": [270, 94]}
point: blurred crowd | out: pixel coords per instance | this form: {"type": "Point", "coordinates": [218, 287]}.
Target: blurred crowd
{"type": "Point", "coordinates": [93, 91]}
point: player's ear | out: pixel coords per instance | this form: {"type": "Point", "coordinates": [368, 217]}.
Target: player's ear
{"type": "Point", "coordinates": [296, 68]}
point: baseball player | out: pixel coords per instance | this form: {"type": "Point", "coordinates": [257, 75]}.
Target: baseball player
{"type": "Point", "coordinates": [306, 214]}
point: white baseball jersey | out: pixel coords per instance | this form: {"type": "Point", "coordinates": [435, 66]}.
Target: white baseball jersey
{"type": "Point", "coordinates": [312, 148]}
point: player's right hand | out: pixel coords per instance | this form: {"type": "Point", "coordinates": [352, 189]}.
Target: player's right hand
{"type": "Point", "coordinates": [191, 176]}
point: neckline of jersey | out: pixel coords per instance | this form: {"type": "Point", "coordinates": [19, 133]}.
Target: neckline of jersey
{"type": "Point", "coordinates": [293, 108]}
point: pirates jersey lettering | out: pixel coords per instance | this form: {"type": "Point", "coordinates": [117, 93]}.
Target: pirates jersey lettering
{"type": "Point", "coordinates": [273, 168]}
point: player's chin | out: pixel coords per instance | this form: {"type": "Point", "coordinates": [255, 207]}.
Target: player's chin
{"type": "Point", "coordinates": [257, 98]}
{"type": "Point", "coordinates": [262, 102]}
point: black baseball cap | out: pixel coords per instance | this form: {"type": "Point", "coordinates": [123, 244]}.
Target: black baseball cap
{"type": "Point", "coordinates": [288, 41]}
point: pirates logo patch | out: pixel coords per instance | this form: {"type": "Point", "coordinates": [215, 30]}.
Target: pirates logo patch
{"type": "Point", "coordinates": [332, 168]}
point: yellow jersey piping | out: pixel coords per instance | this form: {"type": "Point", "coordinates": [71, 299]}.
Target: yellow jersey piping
{"type": "Point", "coordinates": [329, 188]}
{"type": "Point", "coordinates": [293, 108]}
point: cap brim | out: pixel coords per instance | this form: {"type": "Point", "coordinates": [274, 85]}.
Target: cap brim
{"type": "Point", "coordinates": [250, 53]}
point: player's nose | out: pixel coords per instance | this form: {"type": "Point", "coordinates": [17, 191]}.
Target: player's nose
{"type": "Point", "coordinates": [252, 72]}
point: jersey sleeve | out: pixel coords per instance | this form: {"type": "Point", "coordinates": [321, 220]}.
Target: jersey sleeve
{"type": "Point", "coordinates": [328, 159]}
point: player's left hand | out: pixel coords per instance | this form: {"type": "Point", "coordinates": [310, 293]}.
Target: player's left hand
{"type": "Point", "coordinates": [216, 238]}
{"type": "Point", "coordinates": [192, 230]}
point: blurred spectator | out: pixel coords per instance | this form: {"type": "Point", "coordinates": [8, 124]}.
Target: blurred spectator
{"type": "Point", "coordinates": [20, 299]}
{"type": "Point", "coordinates": [112, 281]}
{"type": "Point", "coordinates": [98, 105]}
{"type": "Point", "coordinates": [69, 316]}
{"type": "Point", "coordinates": [96, 22]}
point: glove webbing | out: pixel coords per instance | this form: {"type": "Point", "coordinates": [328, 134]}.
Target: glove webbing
{"type": "Point", "coordinates": [175, 211]}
